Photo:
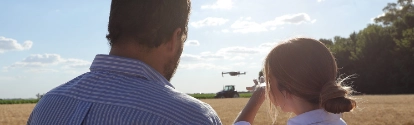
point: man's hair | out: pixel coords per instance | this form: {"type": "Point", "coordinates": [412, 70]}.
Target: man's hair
{"type": "Point", "coordinates": [147, 22]}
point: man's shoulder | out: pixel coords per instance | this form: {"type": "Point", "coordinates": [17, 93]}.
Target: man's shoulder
{"type": "Point", "coordinates": [185, 99]}
{"type": "Point", "coordinates": [196, 110]}
{"type": "Point", "coordinates": [140, 95]}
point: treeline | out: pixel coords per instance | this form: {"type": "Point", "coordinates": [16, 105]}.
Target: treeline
{"type": "Point", "coordinates": [382, 54]}
{"type": "Point", "coordinates": [18, 101]}
{"type": "Point", "coordinates": [197, 96]}
{"type": "Point", "coordinates": [211, 96]}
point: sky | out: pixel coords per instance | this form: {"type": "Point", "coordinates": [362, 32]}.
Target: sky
{"type": "Point", "coordinates": [46, 43]}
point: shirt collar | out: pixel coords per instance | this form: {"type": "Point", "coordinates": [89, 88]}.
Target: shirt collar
{"type": "Point", "coordinates": [127, 66]}
{"type": "Point", "coordinates": [314, 116]}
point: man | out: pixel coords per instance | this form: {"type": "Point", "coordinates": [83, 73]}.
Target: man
{"type": "Point", "coordinates": [131, 84]}
{"type": "Point", "coordinates": [262, 80]}
{"type": "Point", "coordinates": [256, 85]}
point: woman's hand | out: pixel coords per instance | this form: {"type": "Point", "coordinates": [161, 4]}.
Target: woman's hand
{"type": "Point", "coordinates": [250, 110]}
{"type": "Point", "coordinates": [258, 96]}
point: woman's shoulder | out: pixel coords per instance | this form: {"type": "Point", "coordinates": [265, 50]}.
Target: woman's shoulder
{"type": "Point", "coordinates": [317, 117]}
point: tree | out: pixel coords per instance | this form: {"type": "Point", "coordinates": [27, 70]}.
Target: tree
{"type": "Point", "coordinates": [39, 96]}
{"type": "Point", "coordinates": [382, 54]}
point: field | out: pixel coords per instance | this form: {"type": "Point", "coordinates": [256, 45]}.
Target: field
{"type": "Point", "coordinates": [198, 96]}
{"type": "Point", "coordinates": [211, 96]}
{"type": "Point", "coordinates": [372, 110]}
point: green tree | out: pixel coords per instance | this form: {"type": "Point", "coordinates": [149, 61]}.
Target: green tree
{"type": "Point", "coordinates": [382, 54]}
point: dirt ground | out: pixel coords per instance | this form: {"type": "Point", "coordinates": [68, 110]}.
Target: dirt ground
{"type": "Point", "coordinates": [372, 110]}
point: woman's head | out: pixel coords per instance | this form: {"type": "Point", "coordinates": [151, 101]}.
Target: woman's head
{"type": "Point", "coordinates": [305, 68]}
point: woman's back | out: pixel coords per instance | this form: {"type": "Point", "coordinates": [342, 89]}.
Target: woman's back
{"type": "Point", "coordinates": [317, 117]}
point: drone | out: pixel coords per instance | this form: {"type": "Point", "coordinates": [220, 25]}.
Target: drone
{"type": "Point", "coordinates": [233, 73]}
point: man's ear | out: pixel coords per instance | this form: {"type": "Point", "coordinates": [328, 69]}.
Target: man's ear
{"type": "Point", "coordinates": [174, 41]}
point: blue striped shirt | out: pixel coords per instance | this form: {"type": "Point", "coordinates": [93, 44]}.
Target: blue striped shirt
{"type": "Point", "coordinates": [120, 91]}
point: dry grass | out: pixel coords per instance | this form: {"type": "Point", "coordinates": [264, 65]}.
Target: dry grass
{"type": "Point", "coordinates": [372, 110]}
{"type": "Point", "coordinates": [15, 114]}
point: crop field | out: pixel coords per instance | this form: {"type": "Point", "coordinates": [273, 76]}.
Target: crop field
{"type": "Point", "coordinates": [372, 110]}
{"type": "Point", "coordinates": [198, 96]}
{"type": "Point", "coordinates": [211, 96]}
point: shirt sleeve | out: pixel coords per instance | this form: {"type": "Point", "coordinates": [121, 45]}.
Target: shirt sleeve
{"type": "Point", "coordinates": [242, 123]}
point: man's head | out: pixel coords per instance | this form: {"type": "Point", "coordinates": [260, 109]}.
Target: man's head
{"type": "Point", "coordinates": [158, 26]}
{"type": "Point", "coordinates": [262, 79]}
{"type": "Point", "coordinates": [255, 81]}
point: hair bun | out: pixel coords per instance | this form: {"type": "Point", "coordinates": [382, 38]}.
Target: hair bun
{"type": "Point", "coordinates": [334, 98]}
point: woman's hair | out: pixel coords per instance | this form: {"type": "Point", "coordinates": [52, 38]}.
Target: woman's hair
{"type": "Point", "coordinates": [306, 68]}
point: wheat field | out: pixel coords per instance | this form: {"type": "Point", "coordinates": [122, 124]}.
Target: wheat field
{"type": "Point", "coordinates": [372, 110]}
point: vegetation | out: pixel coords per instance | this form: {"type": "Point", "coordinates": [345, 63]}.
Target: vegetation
{"type": "Point", "coordinates": [197, 96]}
{"type": "Point", "coordinates": [18, 101]}
{"type": "Point", "coordinates": [21, 101]}
{"type": "Point", "coordinates": [211, 95]}
{"type": "Point", "coordinates": [382, 54]}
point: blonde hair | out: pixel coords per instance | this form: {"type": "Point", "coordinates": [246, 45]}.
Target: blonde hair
{"type": "Point", "coordinates": [305, 68]}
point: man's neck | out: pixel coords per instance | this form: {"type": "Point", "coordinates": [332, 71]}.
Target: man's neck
{"type": "Point", "coordinates": [151, 57]}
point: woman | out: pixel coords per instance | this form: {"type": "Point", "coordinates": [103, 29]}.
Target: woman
{"type": "Point", "coordinates": [301, 78]}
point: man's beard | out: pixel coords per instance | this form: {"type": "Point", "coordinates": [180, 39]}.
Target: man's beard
{"type": "Point", "coordinates": [171, 66]}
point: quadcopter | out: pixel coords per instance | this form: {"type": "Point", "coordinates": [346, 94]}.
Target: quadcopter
{"type": "Point", "coordinates": [233, 73]}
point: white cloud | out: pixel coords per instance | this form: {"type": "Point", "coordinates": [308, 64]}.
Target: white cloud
{"type": "Point", "coordinates": [255, 65]}
{"type": "Point", "coordinates": [41, 70]}
{"type": "Point", "coordinates": [209, 21]}
{"type": "Point", "coordinates": [373, 19]}
{"type": "Point", "coordinates": [211, 56]}
{"type": "Point", "coordinates": [236, 58]}
{"type": "Point", "coordinates": [204, 56]}
{"type": "Point", "coordinates": [206, 66]}
{"type": "Point", "coordinates": [9, 44]}
{"type": "Point", "coordinates": [225, 30]}
{"type": "Point", "coordinates": [268, 45]}
{"type": "Point", "coordinates": [192, 43]}
{"type": "Point", "coordinates": [38, 60]}
{"type": "Point", "coordinates": [219, 4]}
{"type": "Point", "coordinates": [238, 50]}
{"type": "Point", "coordinates": [76, 63]}
{"type": "Point", "coordinates": [240, 64]}
{"type": "Point", "coordinates": [320, 0]}
{"type": "Point", "coordinates": [44, 62]}
{"type": "Point", "coordinates": [228, 53]}
{"type": "Point", "coordinates": [238, 55]}
{"type": "Point", "coordinates": [190, 58]}
{"type": "Point", "coordinates": [246, 25]}
{"type": "Point", "coordinates": [9, 78]}
{"type": "Point", "coordinates": [294, 19]}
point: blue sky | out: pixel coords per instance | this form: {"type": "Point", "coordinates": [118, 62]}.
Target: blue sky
{"type": "Point", "coordinates": [46, 43]}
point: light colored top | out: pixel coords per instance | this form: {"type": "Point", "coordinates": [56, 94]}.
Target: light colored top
{"type": "Point", "coordinates": [255, 88]}
{"type": "Point", "coordinates": [262, 79]}
{"type": "Point", "coordinates": [120, 91]}
{"type": "Point", "coordinates": [314, 117]}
